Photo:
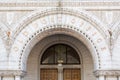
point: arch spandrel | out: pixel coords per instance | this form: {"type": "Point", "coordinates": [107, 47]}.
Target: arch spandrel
{"type": "Point", "coordinates": [87, 32]}
{"type": "Point", "coordinates": [115, 40]}
{"type": "Point", "coordinates": [4, 46]}
{"type": "Point", "coordinates": [3, 53]}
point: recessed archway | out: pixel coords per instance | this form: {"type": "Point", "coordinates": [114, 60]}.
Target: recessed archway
{"type": "Point", "coordinates": [60, 62]}
{"type": "Point", "coordinates": [34, 66]}
{"type": "Point", "coordinates": [60, 21]}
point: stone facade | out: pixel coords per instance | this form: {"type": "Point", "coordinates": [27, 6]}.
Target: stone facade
{"type": "Point", "coordinates": [92, 27]}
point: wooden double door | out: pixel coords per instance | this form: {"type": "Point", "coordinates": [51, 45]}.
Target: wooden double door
{"type": "Point", "coordinates": [68, 74]}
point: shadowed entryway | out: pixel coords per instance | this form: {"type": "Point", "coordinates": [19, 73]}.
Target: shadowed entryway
{"type": "Point", "coordinates": [60, 57]}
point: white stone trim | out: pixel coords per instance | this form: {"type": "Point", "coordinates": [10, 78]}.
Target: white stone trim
{"type": "Point", "coordinates": [12, 73]}
{"type": "Point", "coordinates": [107, 73]}
{"type": "Point", "coordinates": [55, 4]}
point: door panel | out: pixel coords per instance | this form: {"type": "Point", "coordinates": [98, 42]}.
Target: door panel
{"type": "Point", "coordinates": [48, 74]}
{"type": "Point", "coordinates": [72, 74]}
{"type": "Point", "coordinates": [67, 74]}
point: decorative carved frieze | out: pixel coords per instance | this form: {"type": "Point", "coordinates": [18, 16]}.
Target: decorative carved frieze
{"type": "Point", "coordinates": [107, 73]}
{"type": "Point", "coordinates": [12, 73]}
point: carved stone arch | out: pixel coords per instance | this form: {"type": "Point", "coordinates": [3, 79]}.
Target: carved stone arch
{"type": "Point", "coordinates": [80, 13]}
{"type": "Point", "coordinates": [59, 22]}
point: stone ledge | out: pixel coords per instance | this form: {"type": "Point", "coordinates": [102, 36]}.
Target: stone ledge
{"type": "Point", "coordinates": [107, 73]}
{"type": "Point", "coordinates": [12, 73]}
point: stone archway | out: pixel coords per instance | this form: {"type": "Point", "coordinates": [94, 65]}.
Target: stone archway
{"type": "Point", "coordinates": [56, 21]}
{"type": "Point", "coordinates": [34, 66]}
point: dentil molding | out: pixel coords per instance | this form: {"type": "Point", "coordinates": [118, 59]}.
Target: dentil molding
{"type": "Point", "coordinates": [107, 73]}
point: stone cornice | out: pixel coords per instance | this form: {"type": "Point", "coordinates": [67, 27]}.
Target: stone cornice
{"type": "Point", "coordinates": [55, 4]}
{"type": "Point", "coordinates": [12, 73]}
{"type": "Point", "coordinates": [30, 6]}
{"type": "Point", "coordinates": [107, 73]}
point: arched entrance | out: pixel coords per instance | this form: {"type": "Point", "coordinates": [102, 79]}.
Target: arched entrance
{"type": "Point", "coordinates": [78, 25]}
{"type": "Point", "coordinates": [64, 63]}
{"type": "Point", "coordinates": [79, 63]}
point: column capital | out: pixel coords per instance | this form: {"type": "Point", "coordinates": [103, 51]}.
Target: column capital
{"type": "Point", "coordinates": [12, 73]}
{"type": "Point", "coordinates": [107, 73]}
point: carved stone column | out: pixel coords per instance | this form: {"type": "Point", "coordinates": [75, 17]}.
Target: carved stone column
{"type": "Point", "coordinates": [107, 74]}
{"type": "Point", "coordinates": [11, 74]}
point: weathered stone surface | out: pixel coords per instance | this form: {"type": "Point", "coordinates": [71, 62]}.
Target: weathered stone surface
{"type": "Point", "coordinates": [24, 23]}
